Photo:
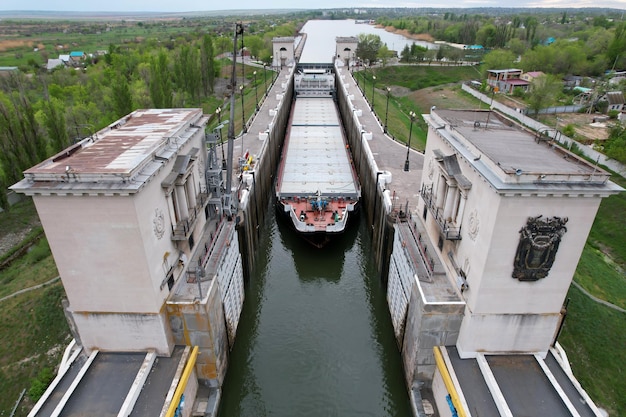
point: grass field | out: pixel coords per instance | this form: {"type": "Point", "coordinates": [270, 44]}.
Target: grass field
{"type": "Point", "coordinates": [32, 325]}
{"type": "Point", "coordinates": [412, 78]}
{"type": "Point", "coordinates": [594, 338]}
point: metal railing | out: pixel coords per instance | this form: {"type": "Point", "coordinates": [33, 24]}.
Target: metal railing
{"type": "Point", "coordinates": [448, 229]}
{"type": "Point", "coordinates": [183, 228]}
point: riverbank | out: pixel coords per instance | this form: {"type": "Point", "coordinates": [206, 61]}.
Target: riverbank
{"type": "Point", "coordinates": [425, 37]}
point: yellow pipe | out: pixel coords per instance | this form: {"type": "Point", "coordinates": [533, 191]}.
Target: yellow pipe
{"type": "Point", "coordinates": [182, 384]}
{"type": "Point", "coordinates": [447, 380]}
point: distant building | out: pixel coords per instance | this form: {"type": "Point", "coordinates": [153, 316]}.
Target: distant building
{"type": "Point", "coordinates": [506, 80]}
{"type": "Point", "coordinates": [283, 51]}
{"type": "Point", "coordinates": [65, 58]}
{"type": "Point", "coordinates": [615, 100]}
{"type": "Point", "coordinates": [531, 75]}
{"type": "Point", "coordinates": [77, 57]}
{"type": "Point", "coordinates": [54, 63]}
{"type": "Point", "coordinates": [345, 49]}
{"type": "Point", "coordinates": [6, 71]}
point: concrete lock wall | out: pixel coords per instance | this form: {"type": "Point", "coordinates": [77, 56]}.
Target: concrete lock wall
{"type": "Point", "coordinates": [257, 186]}
{"type": "Point", "coordinates": [372, 198]}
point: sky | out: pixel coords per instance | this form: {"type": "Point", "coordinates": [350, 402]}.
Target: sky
{"type": "Point", "coordinates": [206, 5]}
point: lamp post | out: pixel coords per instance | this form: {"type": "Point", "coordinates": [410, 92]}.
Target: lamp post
{"type": "Point", "coordinates": [373, 83]}
{"type": "Point", "coordinates": [243, 113]}
{"type": "Point", "coordinates": [218, 111]}
{"type": "Point", "coordinates": [408, 144]}
{"type": "Point", "coordinates": [265, 79]}
{"type": "Point", "coordinates": [256, 91]}
{"type": "Point", "coordinates": [387, 109]}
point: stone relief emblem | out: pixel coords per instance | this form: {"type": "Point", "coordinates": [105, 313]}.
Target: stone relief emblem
{"type": "Point", "coordinates": [473, 224]}
{"type": "Point", "coordinates": [158, 223]}
{"type": "Point", "coordinates": [539, 242]}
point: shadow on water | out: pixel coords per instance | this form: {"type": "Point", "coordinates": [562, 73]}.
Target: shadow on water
{"type": "Point", "coordinates": [315, 336]}
{"type": "Point", "coordinates": [314, 263]}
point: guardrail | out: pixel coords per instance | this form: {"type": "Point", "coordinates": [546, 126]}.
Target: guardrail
{"type": "Point", "coordinates": [448, 229]}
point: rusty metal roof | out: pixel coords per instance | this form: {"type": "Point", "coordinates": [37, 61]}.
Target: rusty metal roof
{"type": "Point", "coordinates": [121, 153]}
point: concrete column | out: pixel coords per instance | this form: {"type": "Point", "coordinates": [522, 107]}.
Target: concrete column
{"type": "Point", "coordinates": [459, 212]}
{"type": "Point", "coordinates": [441, 192]}
{"type": "Point", "coordinates": [190, 186]}
{"type": "Point", "coordinates": [170, 208]}
{"type": "Point", "coordinates": [181, 200]}
{"type": "Point", "coordinates": [451, 197]}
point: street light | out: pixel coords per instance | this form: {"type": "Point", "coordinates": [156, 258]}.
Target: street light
{"type": "Point", "coordinates": [373, 83]}
{"type": "Point", "coordinates": [265, 78]}
{"type": "Point", "coordinates": [408, 145]}
{"type": "Point", "coordinates": [256, 91]}
{"type": "Point", "coordinates": [243, 113]}
{"type": "Point", "coordinates": [218, 111]}
{"type": "Point", "coordinates": [387, 109]}
{"type": "Point", "coordinates": [218, 130]}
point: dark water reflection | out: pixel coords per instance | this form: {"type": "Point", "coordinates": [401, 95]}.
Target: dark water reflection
{"type": "Point", "coordinates": [315, 336]}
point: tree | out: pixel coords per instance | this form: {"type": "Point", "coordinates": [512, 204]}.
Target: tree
{"type": "Point", "coordinates": [223, 44]}
{"type": "Point", "coordinates": [517, 46]}
{"type": "Point", "coordinates": [121, 96]}
{"type": "Point", "coordinates": [55, 124]}
{"type": "Point", "coordinates": [616, 53]}
{"type": "Point", "coordinates": [543, 90]}
{"type": "Point", "coordinates": [207, 64]}
{"type": "Point", "coordinates": [405, 55]}
{"type": "Point", "coordinates": [160, 83]}
{"type": "Point", "coordinates": [187, 71]}
{"type": "Point", "coordinates": [368, 46]}
{"type": "Point", "coordinates": [384, 54]}
{"type": "Point", "coordinates": [486, 35]}
{"type": "Point", "coordinates": [498, 59]}
{"type": "Point", "coordinates": [254, 44]}
{"type": "Point", "coordinates": [530, 23]}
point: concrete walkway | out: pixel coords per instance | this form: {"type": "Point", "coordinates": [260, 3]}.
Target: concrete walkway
{"type": "Point", "coordinates": [598, 300]}
{"type": "Point", "coordinates": [389, 155]}
{"type": "Point", "coordinates": [34, 287]}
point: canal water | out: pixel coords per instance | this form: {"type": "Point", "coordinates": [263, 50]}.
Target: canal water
{"type": "Point", "coordinates": [315, 336]}
{"type": "Point", "coordinates": [321, 34]}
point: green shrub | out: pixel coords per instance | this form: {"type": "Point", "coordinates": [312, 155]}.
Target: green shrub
{"type": "Point", "coordinates": [39, 385]}
{"type": "Point", "coordinates": [613, 114]}
{"type": "Point", "coordinates": [39, 251]}
{"type": "Point", "coordinates": [569, 131]}
{"type": "Point", "coordinates": [518, 92]}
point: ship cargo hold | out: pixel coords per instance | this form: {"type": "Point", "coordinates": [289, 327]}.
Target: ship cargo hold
{"type": "Point", "coordinates": [317, 187]}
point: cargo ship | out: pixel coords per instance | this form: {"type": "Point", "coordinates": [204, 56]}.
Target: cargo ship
{"type": "Point", "coordinates": [317, 187]}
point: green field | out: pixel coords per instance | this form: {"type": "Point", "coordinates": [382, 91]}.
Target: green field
{"type": "Point", "coordinates": [32, 325]}
{"type": "Point", "coordinates": [64, 37]}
